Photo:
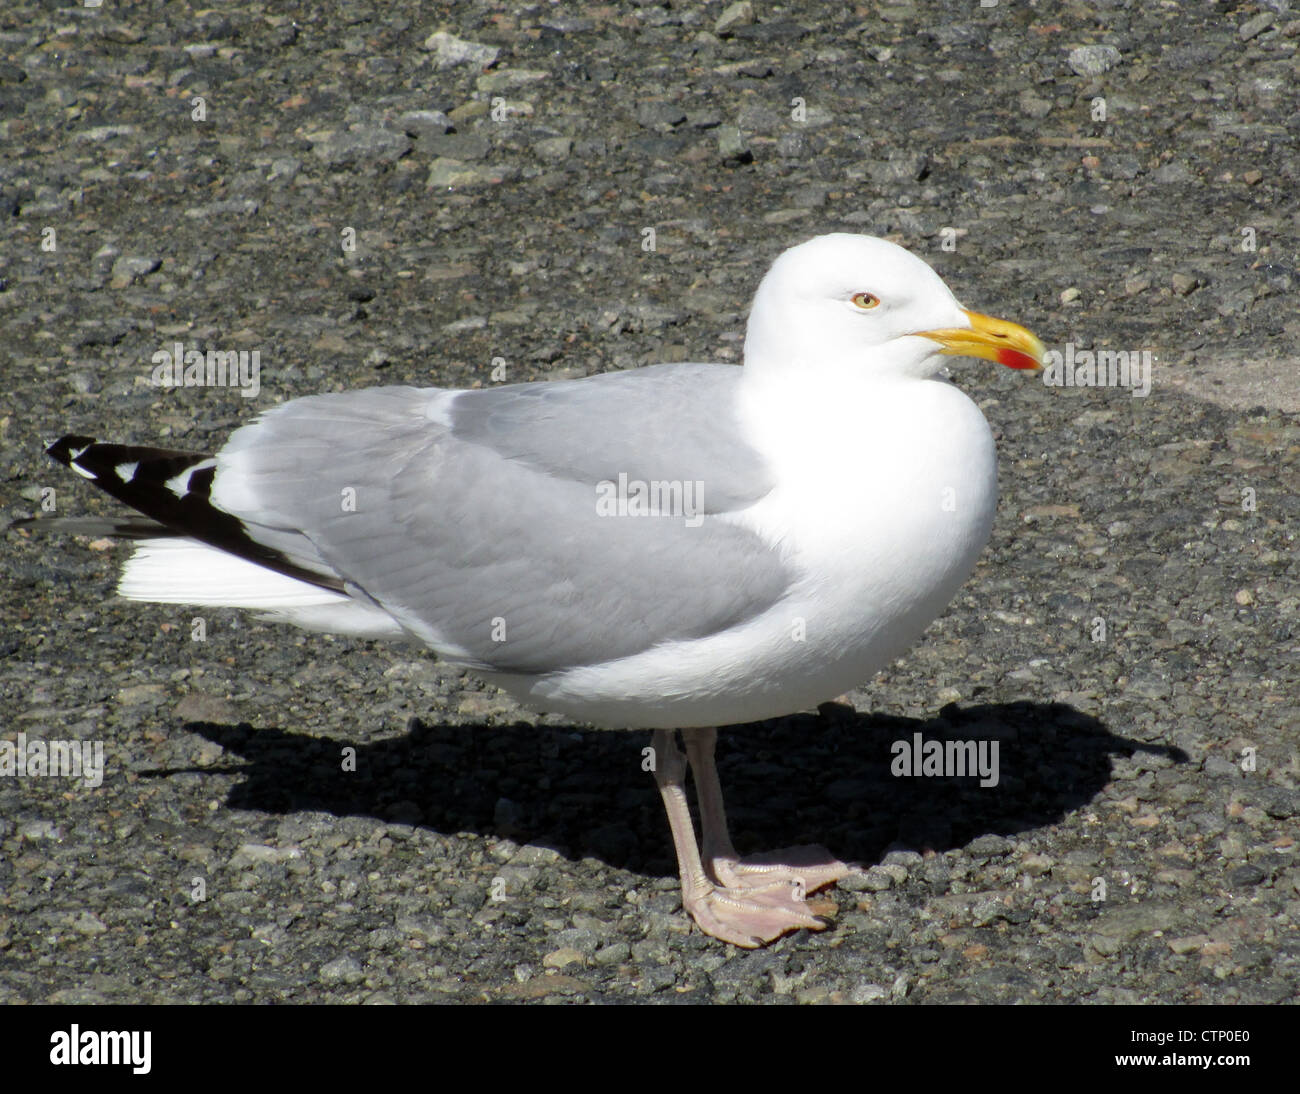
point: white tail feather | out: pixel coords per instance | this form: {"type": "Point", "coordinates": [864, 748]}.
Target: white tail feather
{"type": "Point", "coordinates": [185, 571]}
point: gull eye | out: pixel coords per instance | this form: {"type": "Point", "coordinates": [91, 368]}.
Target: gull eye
{"type": "Point", "coordinates": [865, 300]}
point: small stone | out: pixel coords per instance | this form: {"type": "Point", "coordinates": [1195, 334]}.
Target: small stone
{"type": "Point", "coordinates": [1188, 944]}
{"type": "Point", "coordinates": [1173, 172]}
{"type": "Point", "coordinates": [568, 24]}
{"type": "Point", "coordinates": [197, 707]}
{"type": "Point", "coordinates": [449, 174]}
{"type": "Point", "coordinates": [1256, 25]}
{"type": "Point", "coordinates": [1093, 60]}
{"type": "Point", "coordinates": [1148, 685]}
{"type": "Point", "coordinates": [988, 846]}
{"type": "Point", "coordinates": [141, 695]}
{"type": "Point", "coordinates": [102, 260]}
{"type": "Point", "coordinates": [449, 51]}
{"type": "Point", "coordinates": [554, 149]}
{"type": "Point", "coordinates": [897, 874]}
{"type": "Point", "coordinates": [422, 124]}
{"type": "Point", "coordinates": [255, 854]}
{"type": "Point", "coordinates": [131, 268]}
{"type": "Point", "coordinates": [239, 207]}
{"type": "Point", "coordinates": [1037, 865]}
{"type": "Point", "coordinates": [342, 970]}
{"type": "Point", "coordinates": [663, 116]}
{"type": "Point", "coordinates": [815, 995]}
{"type": "Point", "coordinates": [1122, 167]}
{"type": "Point", "coordinates": [784, 216]}
{"type": "Point", "coordinates": [908, 860]}
{"type": "Point", "coordinates": [1104, 945]}
{"type": "Point", "coordinates": [1246, 876]}
{"type": "Point", "coordinates": [1070, 294]}
{"type": "Point", "coordinates": [104, 133]}
{"type": "Point", "coordinates": [511, 77]}
{"type": "Point", "coordinates": [740, 14]}
{"type": "Point", "coordinates": [1218, 765]}
{"type": "Point", "coordinates": [89, 923]}
{"type": "Point", "coordinates": [558, 959]}
{"type": "Point", "coordinates": [460, 326]}
{"type": "Point", "coordinates": [1280, 802]}
{"type": "Point", "coordinates": [468, 112]}
{"type": "Point", "coordinates": [39, 829]}
{"type": "Point", "coordinates": [1135, 285]}
{"type": "Point", "coordinates": [284, 168]}
{"type": "Point", "coordinates": [1244, 597]}
{"type": "Point", "coordinates": [1184, 284]}
{"type": "Point", "coordinates": [1033, 106]}
{"type": "Point", "coordinates": [613, 954]}
{"type": "Point", "coordinates": [533, 855]}
{"type": "Point", "coordinates": [731, 146]}
{"type": "Point", "coordinates": [368, 144]}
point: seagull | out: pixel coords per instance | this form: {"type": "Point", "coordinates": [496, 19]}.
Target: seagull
{"type": "Point", "coordinates": [675, 547]}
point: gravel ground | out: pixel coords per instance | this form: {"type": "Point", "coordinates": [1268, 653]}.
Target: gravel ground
{"type": "Point", "coordinates": [364, 203]}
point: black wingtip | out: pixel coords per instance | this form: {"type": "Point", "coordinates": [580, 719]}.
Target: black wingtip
{"type": "Point", "coordinates": [67, 449]}
{"type": "Point", "coordinates": [172, 489]}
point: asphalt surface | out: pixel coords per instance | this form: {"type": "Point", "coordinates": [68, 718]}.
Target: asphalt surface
{"type": "Point", "coordinates": [362, 203]}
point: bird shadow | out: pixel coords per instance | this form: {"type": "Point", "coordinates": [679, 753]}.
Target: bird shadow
{"type": "Point", "coordinates": [827, 778]}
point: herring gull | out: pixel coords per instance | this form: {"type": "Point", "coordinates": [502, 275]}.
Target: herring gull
{"type": "Point", "coordinates": [676, 547]}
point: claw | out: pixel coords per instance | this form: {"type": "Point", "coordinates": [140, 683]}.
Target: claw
{"type": "Point", "coordinates": [747, 902]}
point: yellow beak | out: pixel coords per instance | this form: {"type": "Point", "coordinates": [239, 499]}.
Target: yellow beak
{"type": "Point", "coordinates": [992, 339]}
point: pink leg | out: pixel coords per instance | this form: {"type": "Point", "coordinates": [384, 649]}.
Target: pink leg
{"type": "Point", "coordinates": [808, 867]}
{"type": "Point", "coordinates": [756, 902]}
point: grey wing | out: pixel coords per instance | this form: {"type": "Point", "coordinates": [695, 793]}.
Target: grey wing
{"type": "Point", "coordinates": [475, 517]}
{"type": "Point", "coordinates": [674, 423]}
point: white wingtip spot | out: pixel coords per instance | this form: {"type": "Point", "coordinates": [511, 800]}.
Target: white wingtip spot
{"type": "Point", "coordinates": [126, 471]}
{"type": "Point", "coordinates": [180, 484]}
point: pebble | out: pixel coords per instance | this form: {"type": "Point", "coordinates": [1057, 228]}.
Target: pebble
{"type": "Point", "coordinates": [1246, 875]}
{"type": "Point", "coordinates": [449, 51]}
{"type": "Point", "coordinates": [365, 145]}
{"type": "Point", "coordinates": [39, 829]}
{"type": "Point", "coordinates": [1037, 865]}
{"type": "Point", "coordinates": [736, 15]}
{"type": "Point", "coordinates": [131, 268]}
{"type": "Point", "coordinates": [345, 970]}
{"type": "Point", "coordinates": [255, 854]}
{"type": "Point", "coordinates": [732, 147]}
{"type": "Point", "coordinates": [988, 846]}
{"type": "Point", "coordinates": [449, 174]}
{"type": "Point", "coordinates": [1256, 25]}
{"type": "Point", "coordinates": [1093, 60]}
{"type": "Point", "coordinates": [564, 956]}
{"type": "Point", "coordinates": [423, 124]}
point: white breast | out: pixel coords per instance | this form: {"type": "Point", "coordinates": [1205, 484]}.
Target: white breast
{"type": "Point", "coordinates": [883, 503]}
